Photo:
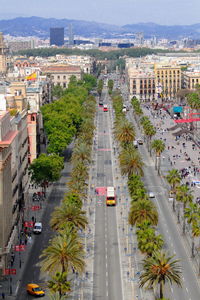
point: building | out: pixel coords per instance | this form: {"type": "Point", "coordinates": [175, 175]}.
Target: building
{"type": "Point", "coordinates": [21, 45]}
{"type": "Point", "coordinates": [61, 74]}
{"type": "Point", "coordinates": [57, 36]}
{"type": "Point", "coordinates": [190, 79]}
{"type": "Point", "coordinates": [71, 35]}
{"type": "Point", "coordinates": [168, 80]}
{"type": "Point", "coordinates": [3, 51]}
{"type": "Point", "coordinates": [142, 84]}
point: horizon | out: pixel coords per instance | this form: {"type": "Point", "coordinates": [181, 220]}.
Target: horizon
{"type": "Point", "coordinates": [92, 21]}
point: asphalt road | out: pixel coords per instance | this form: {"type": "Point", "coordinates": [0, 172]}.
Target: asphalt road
{"type": "Point", "coordinates": [107, 273]}
{"type": "Point", "coordinates": [32, 270]}
{"type": "Point", "coordinates": [167, 227]}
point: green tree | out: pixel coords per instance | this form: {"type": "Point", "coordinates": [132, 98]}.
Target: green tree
{"type": "Point", "coordinates": [81, 152]}
{"type": "Point", "coordinates": [130, 162]}
{"type": "Point", "coordinates": [142, 210]}
{"type": "Point", "coordinates": [184, 195]}
{"type": "Point", "coordinates": [148, 241]}
{"type": "Point", "coordinates": [70, 215]}
{"type": "Point", "coordinates": [125, 132]}
{"type": "Point", "coordinates": [159, 269]}
{"type": "Point", "coordinates": [110, 86]}
{"type": "Point", "coordinates": [59, 284]}
{"type": "Point", "coordinates": [46, 168]}
{"type": "Point", "coordinates": [173, 178]}
{"type": "Point", "coordinates": [159, 147]}
{"type": "Point", "coordinates": [65, 251]}
{"type": "Point", "coordinates": [100, 87]}
{"type": "Point", "coordinates": [57, 91]}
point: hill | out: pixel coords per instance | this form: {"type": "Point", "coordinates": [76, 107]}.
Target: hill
{"type": "Point", "coordinates": [37, 26]}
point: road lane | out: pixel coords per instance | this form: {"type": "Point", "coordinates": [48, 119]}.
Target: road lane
{"type": "Point", "coordinates": [107, 275]}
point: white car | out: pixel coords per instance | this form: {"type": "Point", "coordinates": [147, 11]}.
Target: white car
{"type": "Point", "coordinates": [37, 227]}
{"type": "Point", "coordinates": [151, 195]}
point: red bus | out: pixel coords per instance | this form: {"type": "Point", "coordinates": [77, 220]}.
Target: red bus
{"type": "Point", "coordinates": [110, 196]}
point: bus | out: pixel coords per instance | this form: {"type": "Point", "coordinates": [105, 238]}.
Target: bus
{"type": "Point", "coordinates": [105, 107]}
{"type": "Point", "coordinates": [110, 196]}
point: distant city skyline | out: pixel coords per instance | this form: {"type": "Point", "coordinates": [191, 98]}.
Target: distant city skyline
{"type": "Point", "coordinates": [116, 12]}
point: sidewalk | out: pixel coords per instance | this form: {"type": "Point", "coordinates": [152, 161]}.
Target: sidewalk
{"type": "Point", "coordinates": [18, 260]}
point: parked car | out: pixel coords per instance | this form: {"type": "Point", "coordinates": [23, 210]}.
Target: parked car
{"type": "Point", "coordinates": [140, 141]}
{"type": "Point", "coordinates": [151, 195]}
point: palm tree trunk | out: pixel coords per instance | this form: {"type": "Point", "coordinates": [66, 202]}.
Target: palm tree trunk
{"type": "Point", "coordinates": [174, 204]}
{"type": "Point", "coordinates": [161, 290]}
{"type": "Point", "coordinates": [158, 165]}
{"type": "Point", "coordinates": [193, 247]}
{"type": "Point", "coordinates": [184, 205]}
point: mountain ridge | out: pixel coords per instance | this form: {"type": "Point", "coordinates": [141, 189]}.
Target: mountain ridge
{"type": "Point", "coordinates": [39, 27]}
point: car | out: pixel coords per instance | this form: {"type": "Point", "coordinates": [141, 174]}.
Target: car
{"type": "Point", "coordinates": [140, 141]}
{"type": "Point", "coordinates": [135, 144]}
{"type": "Point", "coordinates": [37, 227]}
{"type": "Point", "coordinates": [35, 290]}
{"type": "Point", "coordinates": [151, 195]}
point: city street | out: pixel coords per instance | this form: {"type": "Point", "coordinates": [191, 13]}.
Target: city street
{"type": "Point", "coordinates": [168, 227]}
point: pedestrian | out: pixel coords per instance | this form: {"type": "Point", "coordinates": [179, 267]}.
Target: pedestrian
{"type": "Point", "coordinates": [2, 295]}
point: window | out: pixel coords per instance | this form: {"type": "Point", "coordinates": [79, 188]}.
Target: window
{"type": "Point", "coordinates": [58, 77]}
{"type": "Point", "coordinates": [64, 85]}
{"type": "Point", "coordinates": [32, 118]}
{"type": "Point", "coordinates": [64, 77]}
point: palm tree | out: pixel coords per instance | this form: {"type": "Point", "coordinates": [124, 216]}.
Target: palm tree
{"type": "Point", "coordinates": [56, 296]}
{"type": "Point", "coordinates": [80, 170]}
{"type": "Point", "coordinates": [139, 194]}
{"type": "Point", "coordinates": [59, 284]}
{"type": "Point", "coordinates": [148, 241]}
{"type": "Point", "coordinates": [149, 131]}
{"type": "Point", "coordinates": [143, 210]}
{"type": "Point", "coordinates": [184, 195]}
{"type": "Point", "coordinates": [64, 252]}
{"type": "Point", "coordinates": [159, 147]}
{"type": "Point", "coordinates": [173, 178]}
{"type": "Point", "coordinates": [159, 269]}
{"type": "Point", "coordinates": [69, 215]}
{"type": "Point", "coordinates": [81, 152]}
{"type": "Point", "coordinates": [192, 213]}
{"type": "Point", "coordinates": [195, 233]}
{"type": "Point", "coordinates": [125, 132]}
{"type": "Point", "coordinates": [130, 162]}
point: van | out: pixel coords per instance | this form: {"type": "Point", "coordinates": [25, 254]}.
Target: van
{"type": "Point", "coordinates": [135, 144]}
{"type": "Point", "coordinates": [37, 227]}
{"type": "Point", "coordinates": [35, 290]}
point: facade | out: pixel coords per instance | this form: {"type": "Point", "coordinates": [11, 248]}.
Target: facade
{"type": "Point", "coordinates": [61, 74]}
{"type": "Point", "coordinates": [168, 79]}
{"type": "Point", "coordinates": [190, 79]}
{"type": "Point", "coordinates": [141, 84]}
{"type": "Point", "coordinates": [3, 50]}
{"type": "Point", "coordinates": [57, 36]}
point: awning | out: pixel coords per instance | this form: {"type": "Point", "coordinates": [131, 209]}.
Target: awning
{"type": "Point", "coordinates": [187, 120]}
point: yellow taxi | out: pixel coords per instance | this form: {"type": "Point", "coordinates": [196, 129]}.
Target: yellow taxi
{"type": "Point", "coordinates": [35, 290]}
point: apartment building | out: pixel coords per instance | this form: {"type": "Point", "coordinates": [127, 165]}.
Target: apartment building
{"type": "Point", "coordinates": [142, 84]}
{"type": "Point", "coordinates": [168, 77]}
{"type": "Point", "coordinates": [190, 79]}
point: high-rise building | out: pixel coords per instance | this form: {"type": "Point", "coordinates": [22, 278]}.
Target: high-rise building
{"type": "Point", "coordinates": [71, 35]}
{"type": "Point", "coordinates": [57, 36]}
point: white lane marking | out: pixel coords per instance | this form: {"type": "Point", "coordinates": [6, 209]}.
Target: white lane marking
{"type": "Point", "coordinates": [186, 289]}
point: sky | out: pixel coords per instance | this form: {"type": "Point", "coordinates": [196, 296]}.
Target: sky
{"type": "Point", "coordinates": [118, 12]}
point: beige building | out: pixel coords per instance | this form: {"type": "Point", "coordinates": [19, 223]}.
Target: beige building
{"type": "Point", "coordinates": [190, 79]}
{"type": "Point", "coordinates": [168, 80]}
{"type": "Point", "coordinates": [3, 50]}
{"type": "Point", "coordinates": [141, 84]}
{"type": "Point", "coordinates": [61, 74]}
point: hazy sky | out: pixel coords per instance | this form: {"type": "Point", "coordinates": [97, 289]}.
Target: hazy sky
{"type": "Point", "coordinates": [119, 12]}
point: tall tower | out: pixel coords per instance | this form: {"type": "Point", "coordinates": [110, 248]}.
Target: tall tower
{"type": "Point", "coordinates": [3, 50]}
{"type": "Point", "coordinates": [71, 35]}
